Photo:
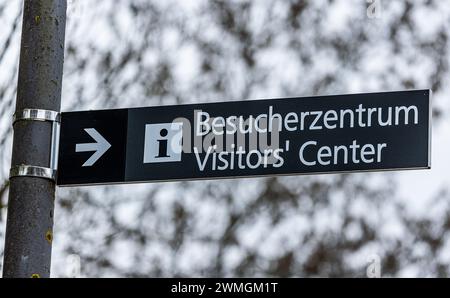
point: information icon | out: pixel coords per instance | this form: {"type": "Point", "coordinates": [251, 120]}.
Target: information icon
{"type": "Point", "coordinates": [163, 142]}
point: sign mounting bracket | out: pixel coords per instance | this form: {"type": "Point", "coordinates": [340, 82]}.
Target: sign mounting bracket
{"type": "Point", "coordinates": [37, 171]}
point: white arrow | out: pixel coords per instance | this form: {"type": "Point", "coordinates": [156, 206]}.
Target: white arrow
{"type": "Point", "coordinates": [100, 146]}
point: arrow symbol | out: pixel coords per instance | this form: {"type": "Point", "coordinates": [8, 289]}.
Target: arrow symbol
{"type": "Point", "coordinates": [100, 146]}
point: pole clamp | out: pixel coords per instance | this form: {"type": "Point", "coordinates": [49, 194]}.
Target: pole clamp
{"type": "Point", "coordinates": [37, 171]}
{"type": "Point", "coordinates": [32, 171]}
{"type": "Point", "coordinates": [37, 115]}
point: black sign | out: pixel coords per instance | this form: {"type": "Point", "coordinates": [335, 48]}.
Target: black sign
{"type": "Point", "coordinates": [343, 133]}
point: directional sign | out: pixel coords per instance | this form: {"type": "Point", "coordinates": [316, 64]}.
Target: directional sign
{"type": "Point", "coordinates": [343, 133]}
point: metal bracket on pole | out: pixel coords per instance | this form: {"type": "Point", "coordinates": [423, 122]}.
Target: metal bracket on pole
{"type": "Point", "coordinates": [36, 171]}
{"type": "Point", "coordinates": [37, 115]}
{"type": "Point", "coordinates": [32, 171]}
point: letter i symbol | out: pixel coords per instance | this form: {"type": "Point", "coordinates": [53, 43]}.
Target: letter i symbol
{"type": "Point", "coordinates": [162, 152]}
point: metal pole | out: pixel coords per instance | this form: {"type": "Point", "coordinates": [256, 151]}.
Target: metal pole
{"type": "Point", "coordinates": [29, 228]}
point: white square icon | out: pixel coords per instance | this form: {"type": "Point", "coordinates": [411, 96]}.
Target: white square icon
{"type": "Point", "coordinates": [163, 142]}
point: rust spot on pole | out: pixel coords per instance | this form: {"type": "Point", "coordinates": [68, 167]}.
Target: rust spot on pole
{"type": "Point", "coordinates": [49, 236]}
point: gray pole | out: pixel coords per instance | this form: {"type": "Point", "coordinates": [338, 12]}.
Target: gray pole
{"type": "Point", "coordinates": [29, 225]}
